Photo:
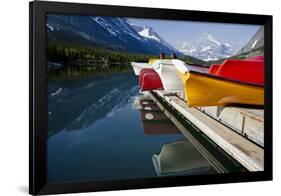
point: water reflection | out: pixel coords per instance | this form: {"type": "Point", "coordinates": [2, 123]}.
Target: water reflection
{"type": "Point", "coordinates": [180, 158]}
{"type": "Point", "coordinates": [102, 128]}
{"type": "Point", "coordinates": [175, 158]}
{"type": "Point", "coordinates": [103, 107]}
{"type": "Point", "coordinates": [154, 121]}
{"type": "Point", "coordinates": [76, 104]}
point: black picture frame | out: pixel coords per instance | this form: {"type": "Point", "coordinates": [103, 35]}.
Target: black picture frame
{"type": "Point", "coordinates": [38, 96]}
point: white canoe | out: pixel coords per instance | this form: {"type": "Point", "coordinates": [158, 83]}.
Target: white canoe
{"type": "Point", "coordinates": [180, 157]}
{"type": "Point", "coordinates": [139, 66]}
{"type": "Point", "coordinates": [168, 73]}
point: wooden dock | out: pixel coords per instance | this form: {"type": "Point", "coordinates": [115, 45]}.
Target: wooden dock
{"type": "Point", "coordinates": [247, 122]}
{"type": "Point", "coordinates": [227, 128]}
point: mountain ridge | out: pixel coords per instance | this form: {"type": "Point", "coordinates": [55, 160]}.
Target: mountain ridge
{"type": "Point", "coordinates": [114, 33]}
{"type": "Point", "coordinates": [208, 48]}
{"type": "Point", "coordinates": [256, 41]}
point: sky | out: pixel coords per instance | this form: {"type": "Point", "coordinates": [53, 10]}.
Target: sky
{"type": "Point", "coordinates": [177, 32]}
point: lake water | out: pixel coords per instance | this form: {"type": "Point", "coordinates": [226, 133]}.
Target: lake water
{"type": "Point", "coordinates": [102, 128]}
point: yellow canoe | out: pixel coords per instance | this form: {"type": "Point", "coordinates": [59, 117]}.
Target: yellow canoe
{"type": "Point", "coordinates": [202, 89]}
{"type": "Point", "coordinates": [151, 61]}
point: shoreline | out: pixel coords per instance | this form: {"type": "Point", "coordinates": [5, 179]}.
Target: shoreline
{"type": "Point", "coordinates": [65, 76]}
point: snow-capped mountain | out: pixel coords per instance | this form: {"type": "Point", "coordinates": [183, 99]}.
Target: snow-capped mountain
{"type": "Point", "coordinates": [149, 33]}
{"type": "Point", "coordinates": [112, 33]}
{"type": "Point", "coordinates": [207, 48]}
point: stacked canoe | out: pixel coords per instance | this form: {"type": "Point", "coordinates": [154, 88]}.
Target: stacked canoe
{"type": "Point", "coordinates": [234, 82]}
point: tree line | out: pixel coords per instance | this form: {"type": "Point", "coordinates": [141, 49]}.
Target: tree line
{"type": "Point", "coordinates": [72, 59]}
{"type": "Point", "coordinates": [66, 52]}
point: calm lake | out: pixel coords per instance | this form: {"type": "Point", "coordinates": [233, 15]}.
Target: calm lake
{"type": "Point", "coordinates": [102, 128]}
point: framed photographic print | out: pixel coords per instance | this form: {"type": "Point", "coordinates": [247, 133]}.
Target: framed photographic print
{"type": "Point", "coordinates": [130, 97]}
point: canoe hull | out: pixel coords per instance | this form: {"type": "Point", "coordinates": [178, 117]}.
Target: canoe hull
{"type": "Point", "coordinates": [150, 80]}
{"type": "Point", "coordinates": [142, 72]}
{"type": "Point", "coordinates": [242, 70]}
{"type": "Point", "coordinates": [250, 70]}
{"type": "Point", "coordinates": [202, 90]}
{"type": "Point", "coordinates": [137, 67]}
{"type": "Point", "coordinates": [171, 81]}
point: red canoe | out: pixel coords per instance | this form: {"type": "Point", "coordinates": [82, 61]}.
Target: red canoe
{"type": "Point", "coordinates": [142, 72]}
{"type": "Point", "coordinates": [249, 70]}
{"type": "Point", "coordinates": [213, 69]}
{"type": "Point", "coordinates": [149, 80]}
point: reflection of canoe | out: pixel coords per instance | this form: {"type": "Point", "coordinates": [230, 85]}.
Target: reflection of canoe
{"type": "Point", "coordinates": [152, 115]}
{"type": "Point", "coordinates": [149, 105]}
{"type": "Point", "coordinates": [180, 157]}
{"type": "Point", "coordinates": [150, 111]}
{"type": "Point", "coordinates": [149, 80]}
{"type": "Point", "coordinates": [169, 76]}
{"type": "Point", "coordinates": [159, 128]}
{"type": "Point", "coordinates": [138, 99]}
{"type": "Point", "coordinates": [250, 70]}
{"type": "Point", "coordinates": [203, 89]}
{"type": "Point", "coordinates": [139, 66]}
{"type": "Point", "coordinates": [154, 121]}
